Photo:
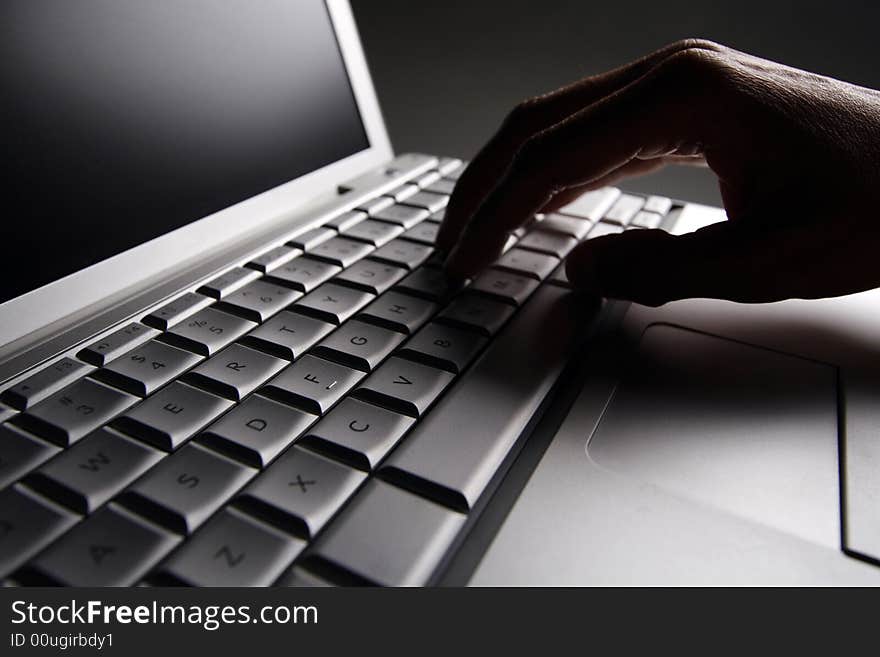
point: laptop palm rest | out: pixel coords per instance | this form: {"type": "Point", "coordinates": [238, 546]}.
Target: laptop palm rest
{"type": "Point", "coordinates": [748, 430]}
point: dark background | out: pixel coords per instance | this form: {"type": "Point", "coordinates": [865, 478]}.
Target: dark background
{"type": "Point", "coordinates": [447, 72]}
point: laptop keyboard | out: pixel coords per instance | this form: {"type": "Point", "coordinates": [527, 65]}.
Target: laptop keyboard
{"type": "Point", "coordinates": [241, 434]}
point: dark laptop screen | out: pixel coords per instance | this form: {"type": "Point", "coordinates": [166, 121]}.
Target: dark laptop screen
{"type": "Point", "coordinates": [125, 119]}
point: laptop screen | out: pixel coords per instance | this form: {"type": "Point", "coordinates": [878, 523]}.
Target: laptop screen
{"type": "Point", "coordinates": [124, 119]}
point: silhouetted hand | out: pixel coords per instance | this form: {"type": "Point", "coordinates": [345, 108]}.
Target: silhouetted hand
{"type": "Point", "coordinates": [797, 156]}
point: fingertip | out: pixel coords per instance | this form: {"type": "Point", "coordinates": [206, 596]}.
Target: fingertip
{"type": "Point", "coordinates": [582, 269]}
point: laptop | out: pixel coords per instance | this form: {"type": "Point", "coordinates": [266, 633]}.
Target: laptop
{"type": "Point", "coordinates": [229, 356]}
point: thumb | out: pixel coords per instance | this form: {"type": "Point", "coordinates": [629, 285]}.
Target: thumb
{"type": "Point", "coordinates": [722, 261]}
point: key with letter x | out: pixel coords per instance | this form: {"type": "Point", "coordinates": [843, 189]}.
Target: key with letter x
{"type": "Point", "coordinates": [301, 491]}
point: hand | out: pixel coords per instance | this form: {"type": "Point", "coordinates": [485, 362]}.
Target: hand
{"type": "Point", "coordinates": [797, 156]}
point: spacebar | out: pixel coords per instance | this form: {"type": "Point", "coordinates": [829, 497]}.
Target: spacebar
{"type": "Point", "coordinates": [454, 452]}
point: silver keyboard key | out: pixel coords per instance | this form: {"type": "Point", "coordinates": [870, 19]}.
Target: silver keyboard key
{"type": "Point", "coordinates": [229, 282]}
{"type": "Point", "coordinates": [646, 220]}
{"type": "Point", "coordinates": [301, 491]}
{"type": "Point", "coordinates": [437, 217]}
{"type": "Point", "coordinates": [288, 335]}
{"type": "Point", "coordinates": [346, 220]}
{"type": "Point", "coordinates": [659, 204]}
{"type": "Point", "coordinates": [74, 411]}
{"type": "Point", "coordinates": [235, 372]}
{"type": "Point", "coordinates": [537, 265]}
{"type": "Point", "coordinates": [483, 315]}
{"type": "Point", "coordinates": [340, 251]}
{"type": "Point", "coordinates": [429, 283]}
{"type": "Point", "coordinates": [110, 548]}
{"type": "Point", "coordinates": [332, 303]}
{"type": "Point", "coordinates": [399, 312]}
{"type": "Point", "coordinates": [445, 347]}
{"type": "Point", "coordinates": [359, 345]}
{"type": "Point", "coordinates": [20, 453]}
{"type": "Point", "coordinates": [305, 274]}
{"type": "Point", "coordinates": [260, 300]}
{"type": "Point", "coordinates": [186, 488]}
{"type": "Point", "coordinates": [602, 229]}
{"type": "Point", "coordinates": [44, 382]}
{"type": "Point", "coordinates": [424, 233]}
{"type": "Point", "coordinates": [233, 550]}
{"type": "Point", "coordinates": [507, 286]}
{"type": "Point", "coordinates": [576, 227]}
{"type": "Point", "coordinates": [257, 430]}
{"type": "Point", "coordinates": [442, 186]}
{"type": "Point", "coordinates": [117, 343]}
{"type": "Point", "coordinates": [427, 200]}
{"type": "Point", "coordinates": [376, 233]}
{"type": "Point", "coordinates": [457, 449]}
{"type": "Point", "coordinates": [178, 310]}
{"type": "Point", "coordinates": [94, 470]}
{"type": "Point", "coordinates": [312, 238]}
{"type": "Point", "coordinates": [402, 191]}
{"type": "Point", "coordinates": [592, 205]}
{"type": "Point", "coordinates": [623, 210]}
{"type": "Point", "coordinates": [274, 258]}
{"type": "Point", "coordinates": [27, 525]}
{"type": "Point", "coordinates": [208, 331]}
{"type": "Point", "coordinates": [451, 166]}
{"type": "Point", "coordinates": [404, 253]}
{"type": "Point", "coordinates": [147, 368]}
{"type": "Point", "coordinates": [298, 577]}
{"type": "Point", "coordinates": [402, 215]}
{"type": "Point", "coordinates": [375, 277]}
{"type": "Point", "coordinates": [375, 205]}
{"type": "Point", "coordinates": [426, 179]}
{"type": "Point", "coordinates": [312, 384]}
{"type": "Point", "coordinates": [544, 241]}
{"type": "Point", "coordinates": [389, 536]}
{"type": "Point", "coordinates": [404, 386]}
{"type": "Point", "coordinates": [172, 415]}
{"type": "Point", "coordinates": [358, 433]}
{"type": "Point", "coordinates": [560, 277]}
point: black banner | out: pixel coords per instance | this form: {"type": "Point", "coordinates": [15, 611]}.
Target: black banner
{"type": "Point", "coordinates": [313, 622]}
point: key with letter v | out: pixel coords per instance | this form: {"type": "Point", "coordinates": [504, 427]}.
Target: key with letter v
{"type": "Point", "coordinates": [404, 386]}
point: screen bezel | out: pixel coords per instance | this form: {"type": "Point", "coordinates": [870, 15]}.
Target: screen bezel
{"type": "Point", "coordinates": [132, 270]}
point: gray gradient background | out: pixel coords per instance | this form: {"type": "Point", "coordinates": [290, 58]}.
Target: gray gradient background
{"type": "Point", "coordinates": [447, 72]}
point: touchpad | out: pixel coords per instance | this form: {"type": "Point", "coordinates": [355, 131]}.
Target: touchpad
{"type": "Point", "coordinates": [746, 429]}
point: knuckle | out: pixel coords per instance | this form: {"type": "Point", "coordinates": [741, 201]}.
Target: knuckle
{"type": "Point", "coordinates": [519, 120]}
{"type": "Point", "coordinates": [706, 67]}
{"type": "Point", "coordinates": [696, 43]}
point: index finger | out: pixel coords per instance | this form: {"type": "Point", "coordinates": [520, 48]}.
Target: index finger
{"type": "Point", "coordinates": [530, 118]}
{"type": "Point", "coordinates": [674, 106]}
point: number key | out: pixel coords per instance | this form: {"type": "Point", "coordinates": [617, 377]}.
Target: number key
{"type": "Point", "coordinates": [116, 343]}
{"type": "Point", "coordinates": [207, 332]}
{"type": "Point", "coordinates": [147, 368]}
{"type": "Point", "coordinates": [259, 300]}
